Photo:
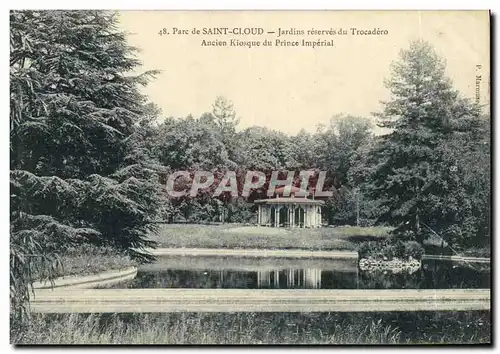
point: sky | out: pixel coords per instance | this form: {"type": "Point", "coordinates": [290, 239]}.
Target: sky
{"type": "Point", "coordinates": [293, 88]}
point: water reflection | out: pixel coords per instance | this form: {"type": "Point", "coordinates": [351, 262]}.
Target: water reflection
{"type": "Point", "coordinates": [437, 274]}
{"type": "Point", "coordinates": [310, 278]}
{"type": "Point", "coordinates": [290, 279]}
{"type": "Point", "coordinates": [255, 274]}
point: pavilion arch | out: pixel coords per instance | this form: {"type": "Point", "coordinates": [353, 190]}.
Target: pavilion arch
{"type": "Point", "coordinates": [272, 216]}
{"type": "Point", "coordinates": [284, 216]}
{"type": "Point", "coordinates": [299, 216]}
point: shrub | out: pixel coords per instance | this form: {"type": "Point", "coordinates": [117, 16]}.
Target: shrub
{"type": "Point", "coordinates": [414, 249]}
{"type": "Point", "coordinates": [389, 249]}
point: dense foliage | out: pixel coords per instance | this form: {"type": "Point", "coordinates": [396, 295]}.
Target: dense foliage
{"type": "Point", "coordinates": [79, 170]}
{"type": "Point", "coordinates": [429, 175]}
{"type": "Point", "coordinates": [422, 169]}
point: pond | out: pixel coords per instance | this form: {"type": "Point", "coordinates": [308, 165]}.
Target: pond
{"type": "Point", "coordinates": [287, 273]}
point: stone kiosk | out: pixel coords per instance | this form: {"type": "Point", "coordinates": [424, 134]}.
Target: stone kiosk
{"type": "Point", "coordinates": [289, 211]}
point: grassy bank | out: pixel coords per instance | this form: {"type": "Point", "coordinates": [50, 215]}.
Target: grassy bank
{"type": "Point", "coordinates": [476, 252]}
{"type": "Point", "coordinates": [237, 236]}
{"type": "Point", "coordinates": [249, 263]}
{"type": "Point", "coordinates": [89, 260]}
{"type": "Point", "coordinates": [258, 328]}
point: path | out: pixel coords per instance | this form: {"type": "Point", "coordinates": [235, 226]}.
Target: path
{"type": "Point", "coordinates": [243, 300]}
{"type": "Point", "coordinates": [456, 258]}
{"type": "Point", "coordinates": [248, 252]}
{"type": "Point", "coordinates": [89, 281]}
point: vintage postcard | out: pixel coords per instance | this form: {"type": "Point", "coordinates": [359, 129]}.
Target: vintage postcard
{"type": "Point", "coordinates": [250, 177]}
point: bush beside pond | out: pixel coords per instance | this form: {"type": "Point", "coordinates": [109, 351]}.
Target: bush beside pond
{"type": "Point", "coordinates": [390, 249]}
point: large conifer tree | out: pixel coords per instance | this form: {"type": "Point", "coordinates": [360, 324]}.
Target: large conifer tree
{"type": "Point", "coordinates": [76, 172]}
{"type": "Point", "coordinates": [418, 180]}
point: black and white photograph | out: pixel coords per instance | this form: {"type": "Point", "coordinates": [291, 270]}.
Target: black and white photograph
{"type": "Point", "coordinates": [250, 177]}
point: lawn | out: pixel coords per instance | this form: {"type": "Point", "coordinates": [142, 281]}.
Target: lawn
{"type": "Point", "coordinates": [239, 236]}
{"type": "Point", "coordinates": [257, 328]}
{"type": "Point", "coordinates": [88, 260]}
